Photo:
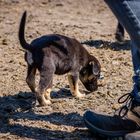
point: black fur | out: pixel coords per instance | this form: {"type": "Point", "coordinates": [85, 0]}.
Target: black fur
{"type": "Point", "coordinates": [57, 54]}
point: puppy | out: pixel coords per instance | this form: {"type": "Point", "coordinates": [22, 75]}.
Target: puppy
{"type": "Point", "coordinates": [58, 54]}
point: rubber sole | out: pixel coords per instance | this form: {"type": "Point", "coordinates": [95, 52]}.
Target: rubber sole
{"type": "Point", "coordinates": [104, 133]}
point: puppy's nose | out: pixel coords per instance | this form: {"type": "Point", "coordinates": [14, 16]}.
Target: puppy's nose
{"type": "Point", "coordinates": [101, 76]}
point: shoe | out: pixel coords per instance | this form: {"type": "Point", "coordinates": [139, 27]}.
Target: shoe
{"type": "Point", "coordinates": [119, 35]}
{"type": "Point", "coordinates": [126, 120]}
{"type": "Point", "coordinates": [133, 136]}
{"type": "Point", "coordinates": [119, 38]}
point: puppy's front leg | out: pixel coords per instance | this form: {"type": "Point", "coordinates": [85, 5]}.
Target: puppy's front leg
{"type": "Point", "coordinates": [48, 91]}
{"type": "Point", "coordinates": [30, 79]}
{"type": "Point", "coordinates": [73, 83]}
{"type": "Point", "coordinates": [42, 93]}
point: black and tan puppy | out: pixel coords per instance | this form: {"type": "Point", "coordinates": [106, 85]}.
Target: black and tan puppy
{"type": "Point", "coordinates": [57, 54]}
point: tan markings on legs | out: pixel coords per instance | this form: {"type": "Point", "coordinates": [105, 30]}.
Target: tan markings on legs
{"type": "Point", "coordinates": [77, 92]}
{"type": "Point", "coordinates": [41, 97]}
{"type": "Point", "coordinates": [73, 83]}
{"type": "Point", "coordinates": [47, 93]}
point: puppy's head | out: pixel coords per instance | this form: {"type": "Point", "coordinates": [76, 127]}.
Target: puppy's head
{"type": "Point", "coordinates": [89, 75]}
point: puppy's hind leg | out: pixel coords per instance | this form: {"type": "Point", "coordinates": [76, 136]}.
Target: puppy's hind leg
{"type": "Point", "coordinates": [30, 79]}
{"type": "Point", "coordinates": [42, 93]}
{"type": "Point", "coordinates": [73, 83]}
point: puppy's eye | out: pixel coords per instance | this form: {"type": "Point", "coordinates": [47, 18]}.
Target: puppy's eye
{"type": "Point", "coordinates": [84, 72]}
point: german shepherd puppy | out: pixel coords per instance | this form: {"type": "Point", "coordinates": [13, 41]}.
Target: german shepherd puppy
{"type": "Point", "coordinates": [58, 54]}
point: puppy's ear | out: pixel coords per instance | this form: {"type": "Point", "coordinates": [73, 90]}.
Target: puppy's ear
{"type": "Point", "coordinates": [95, 68]}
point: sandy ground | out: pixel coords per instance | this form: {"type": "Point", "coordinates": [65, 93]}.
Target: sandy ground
{"type": "Point", "coordinates": [88, 21]}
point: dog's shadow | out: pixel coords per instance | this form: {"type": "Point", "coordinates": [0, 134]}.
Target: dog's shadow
{"type": "Point", "coordinates": [27, 100]}
{"type": "Point", "coordinates": [23, 104]}
{"type": "Point", "coordinates": [22, 107]}
{"type": "Point", "coordinates": [100, 44]}
{"type": "Point", "coordinates": [37, 133]}
{"type": "Point", "coordinates": [61, 93]}
{"type": "Point", "coordinates": [66, 93]}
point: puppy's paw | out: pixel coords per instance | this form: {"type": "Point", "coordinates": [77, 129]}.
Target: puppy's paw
{"type": "Point", "coordinates": [79, 95]}
{"type": "Point", "coordinates": [43, 101]}
{"type": "Point", "coordinates": [47, 94]}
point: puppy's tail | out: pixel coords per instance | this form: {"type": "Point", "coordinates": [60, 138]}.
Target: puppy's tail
{"type": "Point", "coordinates": [21, 33]}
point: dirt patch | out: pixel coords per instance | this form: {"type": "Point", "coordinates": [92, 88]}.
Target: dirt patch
{"type": "Point", "coordinates": [92, 23]}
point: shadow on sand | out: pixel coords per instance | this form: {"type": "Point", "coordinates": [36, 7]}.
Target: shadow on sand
{"type": "Point", "coordinates": [21, 107]}
{"type": "Point", "coordinates": [100, 44]}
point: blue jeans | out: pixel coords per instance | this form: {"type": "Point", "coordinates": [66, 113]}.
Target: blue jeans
{"type": "Point", "coordinates": [128, 14]}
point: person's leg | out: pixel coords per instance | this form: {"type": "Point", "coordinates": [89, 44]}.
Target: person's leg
{"type": "Point", "coordinates": [128, 13]}
{"type": "Point", "coordinates": [119, 35]}
{"type": "Point", "coordinates": [128, 119]}
{"type": "Point", "coordinates": [136, 66]}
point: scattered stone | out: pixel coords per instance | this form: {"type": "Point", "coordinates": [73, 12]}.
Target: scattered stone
{"type": "Point", "coordinates": [4, 42]}
{"type": "Point", "coordinates": [59, 4]}
{"type": "Point", "coordinates": [115, 106]}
